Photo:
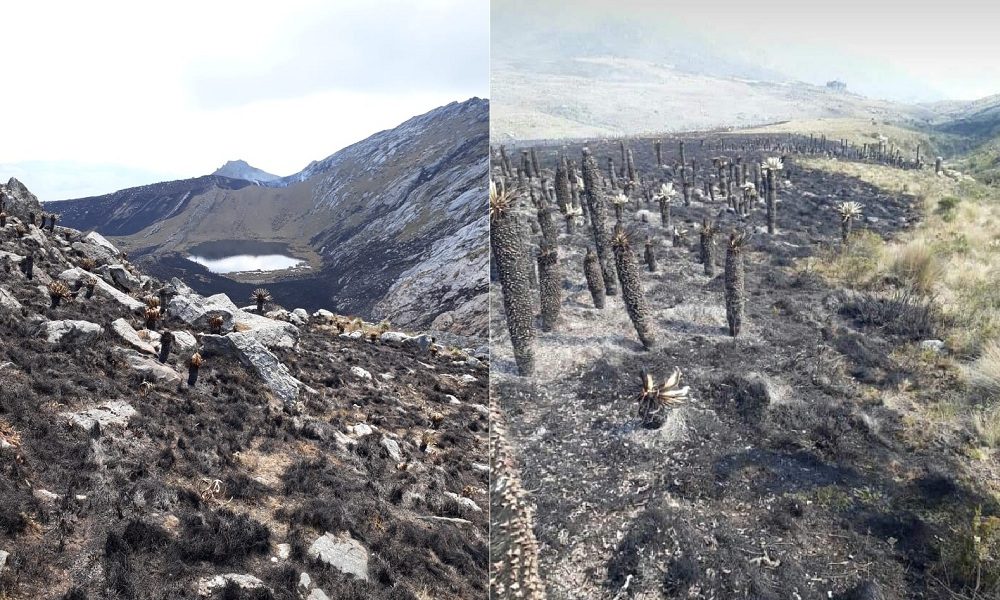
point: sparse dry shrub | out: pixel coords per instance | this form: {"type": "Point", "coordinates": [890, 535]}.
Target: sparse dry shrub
{"type": "Point", "coordinates": [970, 560]}
{"type": "Point", "coordinates": [857, 265]}
{"type": "Point", "coordinates": [916, 266]}
{"type": "Point", "coordinates": [984, 372]}
{"type": "Point", "coordinates": [58, 291]}
{"type": "Point", "coordinates": [986, 422]}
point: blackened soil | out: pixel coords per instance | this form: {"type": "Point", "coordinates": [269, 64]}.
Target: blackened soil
{"type": "Point", "coordinates": [211, 479]}
{"type": "Point", "coordinates": [788, 474]}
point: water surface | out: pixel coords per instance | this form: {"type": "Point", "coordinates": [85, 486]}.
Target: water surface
{"type": "Point", "coordinates": [235, 256]}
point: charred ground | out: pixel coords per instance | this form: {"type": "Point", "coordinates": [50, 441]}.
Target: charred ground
{"type": "Point", "coordinates": [793, 471]}
{"type": "Point", "coordinates": [219, 479]}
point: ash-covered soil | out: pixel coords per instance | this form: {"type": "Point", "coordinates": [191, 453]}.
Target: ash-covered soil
{"type": "Point", "coordinates": [372, 486]}
{"type": "Point", "coordinates": [789, 472]}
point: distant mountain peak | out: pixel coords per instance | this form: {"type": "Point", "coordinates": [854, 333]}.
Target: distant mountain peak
{"type": "Point", "coordinates": [240, 169]}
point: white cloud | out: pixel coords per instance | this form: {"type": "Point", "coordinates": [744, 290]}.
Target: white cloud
{"type": "Point", "coordinates": [892, 48]}
{"type": "Point", "coordinates": [131, 86]}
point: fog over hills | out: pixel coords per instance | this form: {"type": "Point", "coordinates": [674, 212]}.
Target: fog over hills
{"type": "Point", "coordinates": [641, 69]}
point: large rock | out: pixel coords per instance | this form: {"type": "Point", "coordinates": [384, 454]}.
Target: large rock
{"type": "Point", "coordinates": [70, 331]}
{"type": "Point", "coordinates": [130, 336]}
{"type": "Point", "coordinates": [94, 246]}
{"type": "Point", "coordinates": [210, 585]}
{"type": "Point", "coordinates": [183, 340]}
{"type": "Point", "coordinates": [19, 201]}
{"type": "Point", "coordinates": [394, 338]}
{"type": "Point", "coordinates": [35, 240]}
{"type": "Point", "coordinates": [114, 412]}
{"type": "Point", "coordinates": [150, 368]}
{"type": "Point", "coordinates": [196, 310]}
{"type": "Point", "coordinates": [252, 353]}
{"type": "Point", "coordinates": [102, 288]}
{"type": "Point", "coordinates": [179, 287]}
{"type": "Point", "coordinates": [8, 301]}
{"type": "Point", "coordinates": [341, 552]}
{"type": "Point", "coordinates": [118, 275]}
{"type": "Point", "coordinates": [99, 240]}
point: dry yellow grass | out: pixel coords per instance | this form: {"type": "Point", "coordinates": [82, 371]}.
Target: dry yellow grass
{"type": "Point", "coordinates": [915, 265]}
{"type": "Point", "coordinates": [987, 426]}
{"type": "Point", "coordinates": [953, 255]}
{"type": "Point", "coordinates": [858, 131]}
{"type": "Point", "coordinates": [984, 372]}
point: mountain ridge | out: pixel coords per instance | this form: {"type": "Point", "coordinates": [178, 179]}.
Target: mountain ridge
{"type": "Point", "coordinates": [361, 218]}
{"type": "Point", "coordinates": [240, 169]}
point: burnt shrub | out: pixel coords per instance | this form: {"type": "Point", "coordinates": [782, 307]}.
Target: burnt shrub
{"type": "Point", "coordinates": [142, 536]}
{"type": "Point", "coordinates": [312, 476]}
{"type": "Point", "coordinates": [222, 537]}
{"type": "Point", "coordinates": [901, 313]}
{"type": "Point", "coordinates": [232, 591]}
{"type": "Point", "coordinates": [75, 593]}
{"type": "Point", "coordinates": [117, 566]}
{"type": "Point", "coordinates": [242, 487]}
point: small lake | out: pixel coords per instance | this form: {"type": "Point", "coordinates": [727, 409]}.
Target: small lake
{"type": "Point", "coordinates": [234, 256]}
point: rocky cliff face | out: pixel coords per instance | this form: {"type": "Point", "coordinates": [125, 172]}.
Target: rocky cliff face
{"type": "Point", "coordinates": [239, 169]}
{"type": "Point", "coordinates": [18, 201]}
{"type": "Point", "coordinates": [267, 471]}
{"type": "Point", "coordinates": [376, 222]}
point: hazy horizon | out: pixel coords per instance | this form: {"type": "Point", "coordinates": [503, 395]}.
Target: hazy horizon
{"type": "Point", "coordinates": [121, 94]}
{"type": "Point", "coordinates": [887, 50]}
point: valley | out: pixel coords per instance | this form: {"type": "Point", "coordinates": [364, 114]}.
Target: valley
{"type": "Point", "coordinates": [361, 231]}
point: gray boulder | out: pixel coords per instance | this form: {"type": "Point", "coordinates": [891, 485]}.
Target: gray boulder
{"type": "Point", "coordinates": [341, 552]}
{"type": "Point", "coordinates": [117, 274]}
{"type": "Point", "coordinates": [130, 336]}
{"type": "Point", "coordinates": [196, 310]}
{"type": "Point", "coordinates": [392, 447]}
{"type": "Point", "coordinates": [113, 412]}
{"type": "Point", "coordinates": [208, 586]}
{"type": "Point", "coordinates": [394, 338]}
{"type": "Point", "coordinates": [183, 340]}
{"type": "Point", "coordinates": [97, 239]}
{"type": "Point", "coordinates": [252, 353]}
{"type": "Point", "coordinates": [150, 368]}
{"type": "Point", "coordinates": [8, 301]}
{"type": "Point", "coordinates": [102, 288]}
{"type": "Point", "coordinates": [70, 331]}
{"type": "Point", "coordinates": [20, 201]}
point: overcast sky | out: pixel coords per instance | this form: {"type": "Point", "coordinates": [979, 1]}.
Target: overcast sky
{"type": "Point", "coordinates": [912, 50]}
{"type": "Point", "coordinates": [98, 96]}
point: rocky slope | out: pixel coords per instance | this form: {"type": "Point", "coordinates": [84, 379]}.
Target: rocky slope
{"type": "Point", "coordinates": [372, 221]}
{"type": "Point", "coordinates": [614, 96]}
{"type": "Point", "coordinates": [239, 169]}
{"type": "Point", "coordinates": [312, 456]}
